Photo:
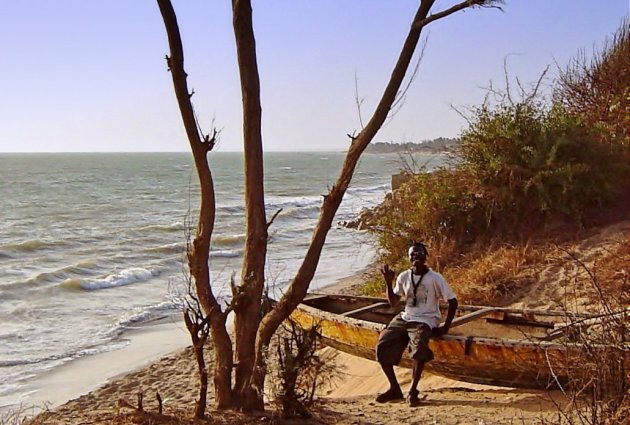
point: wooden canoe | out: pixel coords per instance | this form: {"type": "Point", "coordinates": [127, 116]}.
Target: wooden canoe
{"type": "Point", "coordinates": [495, 346]}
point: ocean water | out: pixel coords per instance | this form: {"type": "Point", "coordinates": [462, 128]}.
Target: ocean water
{"type": "Point", "coordinates": [92, 245]}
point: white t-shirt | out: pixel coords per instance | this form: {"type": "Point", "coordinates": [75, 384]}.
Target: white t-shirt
{"type": "Point", "coordinates": [429, 292]}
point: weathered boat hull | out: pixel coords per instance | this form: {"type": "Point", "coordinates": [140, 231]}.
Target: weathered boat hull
{"type": "Point", "coordinates": [466, 357]}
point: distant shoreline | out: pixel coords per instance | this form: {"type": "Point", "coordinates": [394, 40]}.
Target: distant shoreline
{"type": "Point", "coordinates": [436, 146]}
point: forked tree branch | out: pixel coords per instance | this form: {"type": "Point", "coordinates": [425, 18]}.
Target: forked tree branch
{"type": "Point", "coordinates": [461, 6]}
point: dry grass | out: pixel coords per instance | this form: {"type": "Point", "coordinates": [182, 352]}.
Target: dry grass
{"type": "Point", "coordinates": [556, 269]}
{"type": "Point", "coordinates": [541, 272]}
{"type": "Point", "coordinates": [496, 276]}
{"type": "Point", "coordinates": [127, 414]}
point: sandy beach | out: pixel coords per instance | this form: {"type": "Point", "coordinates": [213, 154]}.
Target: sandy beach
{"type": "Point", "coordinates": [351, 402]}
{"type": "Point", "coordinates": [103, 389]}
{"type": "Point", "coordinates": [83, 375]}
{"type": "Point", "coordinates": [97, 390]}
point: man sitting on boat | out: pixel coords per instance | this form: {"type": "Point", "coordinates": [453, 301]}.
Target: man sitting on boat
{"type": "Point", "coordinates": [422, 289]}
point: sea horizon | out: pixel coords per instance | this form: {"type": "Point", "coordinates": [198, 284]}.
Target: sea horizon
{"type": "Point", "coordinates": [166, 152]}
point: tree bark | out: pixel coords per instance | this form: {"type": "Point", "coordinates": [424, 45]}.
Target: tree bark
{"type": "Point", "coordinates": [200, 252]}
{"type": "Point", "coordinates": [247, 308]}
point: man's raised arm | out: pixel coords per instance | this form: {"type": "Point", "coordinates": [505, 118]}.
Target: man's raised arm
{"type": "Point", "coordinates": [388, 275]}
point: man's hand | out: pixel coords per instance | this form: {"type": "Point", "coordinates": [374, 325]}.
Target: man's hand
{"type": "Point", "coordinates": [388, 274]}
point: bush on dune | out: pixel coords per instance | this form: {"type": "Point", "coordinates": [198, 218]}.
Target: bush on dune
{"type": "Point", "coordinates": [520, 167]}
{"type": "Point", "coordinates": [523, 167]}
{"type": "Point", "coordinates": [535, 164]}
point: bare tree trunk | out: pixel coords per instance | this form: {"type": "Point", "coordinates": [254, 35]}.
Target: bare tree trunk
{"type": "Point", "coordinates": [247, 307]}
{"type": "Point", "coordinates": [199, 254]}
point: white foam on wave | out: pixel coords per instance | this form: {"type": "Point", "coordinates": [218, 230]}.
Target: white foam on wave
{"type": "Point", "coordinates": [122, 278]}
{"type": "Point", "coordinates": [169, 248]}
{"type": "Point", "coordinates": [369, 189]}
{"type": "Point", "coordinates": [226, 253]}
{"type": "Point", "coordinates": [273, 203]}
{"type": "Point", "coordinates": [26, 368]}
{"type": "Point", "coordinates": [144, 315]}
{"type": "Point", "coordinates": [223, 240]}
{"type": "Point", "coordinates": [276, 202]}
{"type": "Point", "coordinates": [309, 212]}
{"type": "Point", "coordinates": [45, 279]}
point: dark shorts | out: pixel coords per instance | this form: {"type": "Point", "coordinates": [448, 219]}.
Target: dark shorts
{"type": "Point", "coordinates": [400, 334]}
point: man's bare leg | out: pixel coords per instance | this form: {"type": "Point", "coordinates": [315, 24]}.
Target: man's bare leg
{"type": "Point", "coordinates": [418, 366]}
{"type": "Point", "coordinates": [394, 392]}
{"type": "Point", "coordinates": [388, 369]}
{"type": "Point", "coordinates": [413, 399]}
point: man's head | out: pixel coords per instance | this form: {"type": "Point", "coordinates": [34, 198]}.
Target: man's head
{"type": "Point", "coordinates": [418, 253]}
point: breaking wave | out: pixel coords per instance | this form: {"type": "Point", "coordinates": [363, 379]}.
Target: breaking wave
{"type": "Point", "coordinates": [122, 278]}
{"type": "Point", "coordinates": [178, 226]}
{"type": "Point", "coordinates": [171, 248]}
{"type": "Point", "coordinates": [145, 315]}
{"type": "Point", "coordinates": [226, 253]}
{"type": "Point", "coordinates": [227, 240]}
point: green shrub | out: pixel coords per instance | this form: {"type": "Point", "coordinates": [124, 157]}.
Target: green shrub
{"type": "Point", "coordinates": [434, 207]}
{"type": "Point", "coordinates": [374, 287]}
{"type": "Point", "coordinates": [520, 167]}
{"type": "Point", "coordinates": [535, 163]}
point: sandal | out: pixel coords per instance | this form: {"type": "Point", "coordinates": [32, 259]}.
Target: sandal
{"type": "Point", "coordinates": [390, 395]}
{"type": "Point", "coordinates": [414, 398]}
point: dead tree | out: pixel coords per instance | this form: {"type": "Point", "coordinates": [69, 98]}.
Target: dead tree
{"type": "Point", "coordinates": [253, 331]}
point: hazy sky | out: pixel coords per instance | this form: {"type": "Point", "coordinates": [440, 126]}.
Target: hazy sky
{"type": "Point", "coordinates": [80, 75]}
